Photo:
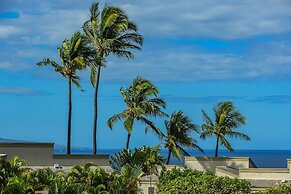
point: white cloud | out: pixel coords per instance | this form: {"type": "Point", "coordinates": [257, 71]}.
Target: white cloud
{"type": "Point", "coordinates": [50, 21]}
{"type": "Point", "coordinates": [9, 66]}
{"type": "Point", "coordinates": [20, 91]}
{"type": "Point", "coordinates": [6, 31]}
{"type": "Point", "coordinates": [42, 25]}
{"type": "Point", "coordinates": [178, 64]}
{"type": "Point", "coordinates": [209, 18]}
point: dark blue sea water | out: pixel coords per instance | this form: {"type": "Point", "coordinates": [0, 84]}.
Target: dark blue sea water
{"type": "Point", "coordinates": [262, 158]}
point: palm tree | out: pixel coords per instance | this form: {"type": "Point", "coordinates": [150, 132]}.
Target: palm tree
{"type": "Point", "coordinates": [227, 119]}
{"type": "Point", "coordinates": [108, 32]}
{"type": "Point", "coordinates": [126, 180]}
{"type": "Point", "coordinates": [73, 54]}
{"type": "Point", "coordinates": [82, 174]}
{"type": "Point", "coordinates": [179, 129]}
{"type": "Point", "coordinates": [142, 101]}
{"type": "Point", "coordinates": [146, 157]}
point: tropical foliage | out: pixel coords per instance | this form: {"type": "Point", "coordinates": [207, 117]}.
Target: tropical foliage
{"type": "Point", "coordinates": [108, 31]}
{"type": "Point", "coordinates": [141, 99]}
{"type": "Point", "coordinates": [192, 181]}
{"type": "Point", "coordinates": [148, 158]}
{"type": "Point", "coordinates": [179, 129]}
{"type": "Point", "coordinates": [128, 170]}
{"type": "Point", "coordinates": [227, 120]}
{"type": "Point", "coordinates": [13, 168]}
{"type": "Point", "coordinates": [87, 179]}
{"type": "Point", "coordinates": [73, 55]}
{"type": "Point", "coordinates": [126, 180]}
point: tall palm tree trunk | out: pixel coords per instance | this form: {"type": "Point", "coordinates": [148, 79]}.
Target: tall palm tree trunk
{"type": "Point", "coordinates": [96, 110]}
{"type": "Point", "coordinates": [69, 117]}
{"type": "Point", "coordinates": [127, 141]}
{"type": "Point", "coordinates": [169, 156]}
{"type": "Point", "coordinates": [216, 149]}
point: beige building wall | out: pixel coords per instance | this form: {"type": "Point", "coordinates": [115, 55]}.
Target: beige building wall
{"type": "Point", "coordinates": [42, 154]}
{"type": "Point", "coordinates": [81, 159]}
{"type": "Point", "coordinates": [227, 171]}
{"type": "Point", "coordinates": [209, 164]}
{"type": "Point", "coordinates": [265, 174]}
{"type": "Point", "coordinates": [36, 154]}
{"type": "Point", "coordinates": [147, 182]}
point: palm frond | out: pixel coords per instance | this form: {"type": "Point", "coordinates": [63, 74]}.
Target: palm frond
{"type": "Point", "coordinates": [206, 118]}
{"type": "Point", "coordinates": [112, 120]}
{"type": "Point", "coordinates": [226, 144]}
{"type": "Point", "coordinates": [238, 135]}
{"type": "Point", "coordinates": [151, 125]}
{"type": "Point", "coordinates": [93, 76]}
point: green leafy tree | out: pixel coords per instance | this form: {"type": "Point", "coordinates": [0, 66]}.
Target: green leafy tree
{"type": "Point", "coordinates": [73, 55]}
{"type": "Point", "coordinates": [227, 120]}
{"type": "Point", "coordinates": [108, 31]}
{"type": "Point", "coordinates": [179, 129]}
{"type": "Point", "coordinates": [141, 101]}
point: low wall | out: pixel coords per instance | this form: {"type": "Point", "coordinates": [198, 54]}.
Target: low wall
{"type": "Point", "coordinates": [210, 163]}
{"type": "Point", "coordinates": [265, 173]}
{"type": "Point", "coordinates": [81, 159]}
{"type": "Point", "coordinates": [227, 171]}
{"type": "Point", "coordinates": [36, 154]}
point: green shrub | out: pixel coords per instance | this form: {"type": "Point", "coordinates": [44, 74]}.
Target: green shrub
{"type": "Point", "coordinates": [197, 182]}
{"type": "Point", "coordinates": [18, 185]}
{"type": "Point", "coordinates": [281, 189]}
{"type": "Point", "coordinates": [47, 179]}
{"type": "Point", "coordinates": [11, 169]}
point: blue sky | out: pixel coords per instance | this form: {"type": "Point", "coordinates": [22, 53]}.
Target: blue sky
{"type": "Point", "coordinates": [197, 52]}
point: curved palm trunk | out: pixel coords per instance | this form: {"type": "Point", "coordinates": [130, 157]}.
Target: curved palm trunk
{"type": "Point", "coordinates": [216, 149]}
{"type": "Point", "coordinates": [69, 117]}
{"type": "Point", "coordinates": [96, 111]}
{"type": "Point", "coordinates": [127, 141]}
{"type": "Point", "coordinates": [169, 156]}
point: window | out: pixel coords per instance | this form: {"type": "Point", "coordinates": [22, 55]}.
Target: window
{"type": "Point", "coordinates": [151, 190]}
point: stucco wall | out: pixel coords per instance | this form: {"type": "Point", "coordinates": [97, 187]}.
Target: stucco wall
{"type": "Point", "coordinates": [210, 163]}
{"type": "Point", "coordinates": [146, 182]}
{"type": "Point", "coordinates": [144, 186]}
{"type": "Point", "coordinates": [227, 171]}
{"type": "Point", "coordinates": [40, 154]}
{"type": "Point", "coordinates": [265, 173]}
{"type": "Point", "coordinates": [81, 159]}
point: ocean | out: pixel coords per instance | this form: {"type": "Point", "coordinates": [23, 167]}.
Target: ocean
{"type": "Point", "coordinates": [262, 158]}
